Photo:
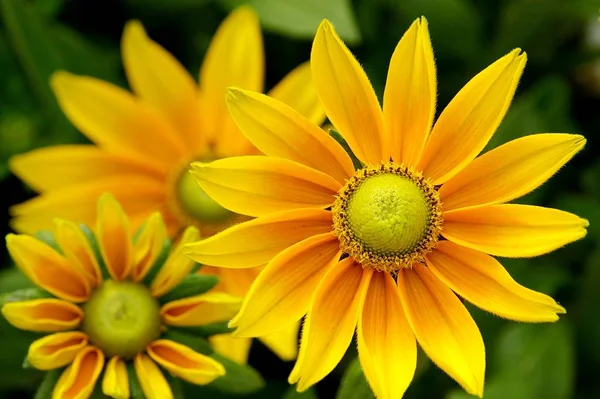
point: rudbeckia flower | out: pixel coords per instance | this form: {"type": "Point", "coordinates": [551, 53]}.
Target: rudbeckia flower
{"type": "Point", "coordinates": [145, 141]}
{"type": "Point", "coordinates": [109, 302]}
{"type": "Point", "coordinates": [389, 246]}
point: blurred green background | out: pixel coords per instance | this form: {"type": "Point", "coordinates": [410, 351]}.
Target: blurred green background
{"type": "Point", "coordinates": [559, 92]}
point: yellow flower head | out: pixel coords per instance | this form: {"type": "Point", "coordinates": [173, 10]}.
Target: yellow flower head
{"type": "Point", "coordinates": [116, 303]}
{"type": "Point", "coordinates": [384, 248]}
{"type": "Point", "coordinates": [145, 141]}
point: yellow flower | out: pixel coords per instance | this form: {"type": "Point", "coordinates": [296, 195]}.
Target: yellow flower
{"type": "Point", "coordinates": [115, 298]}
{"type": "Point", "coordinates": [384, 248]}
{"type": "Point", "coordinates": [145, 141]}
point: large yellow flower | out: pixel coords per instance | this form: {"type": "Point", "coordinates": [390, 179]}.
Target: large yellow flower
{"type": "Point", "coordinates": [112, 297]}
{"type": "Point", "coordinates": [385, 247]}
{"type": "Point", "coordinates": [145, 142]}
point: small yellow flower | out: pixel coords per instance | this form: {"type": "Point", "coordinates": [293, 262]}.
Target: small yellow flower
{"type": "Point", "coordinates": [384, 248]}
{"type": "Point", "coordinates": [145, 141]}
{"type": "Point", "coordinates": [105, 320]}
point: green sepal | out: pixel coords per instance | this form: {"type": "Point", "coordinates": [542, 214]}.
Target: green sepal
{"type": "Point", "coordinates": [191, 285]}
{"type": "Point", "coordinates": [25, 294]}
{"type": "Point", "coordinates": [89, 234]}
{"type": "Point", "coordinates": [158, 264]}
{"type": "Point", "coordinates": [46, 388]}
{"type": "Point", "coordinates": [26, 364]}
{"type": "Point", "coordinates": [47, 236]}
{"type": "Point", "coordinates": [292, 393]}
{"type": "Point", "coordinates": [338, 137]}
{"type": "Point", "coordinates": [196, 343]}
{"type": "Point", "coordinates": [135, 389]}
{"type": "Point", "coordinates": [209, 329]}
{"type": "Point", "coordinates": [238, 379]}
{"type": "Point", "coordinates": [176, 386]}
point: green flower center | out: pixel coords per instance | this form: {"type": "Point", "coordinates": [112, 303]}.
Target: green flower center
{"type": "Point", "coordinates": [197, 204]}
{"type": "Point", "coordinates": [121, 318]}
{"type": "Point", "coordinates": [387, 217]}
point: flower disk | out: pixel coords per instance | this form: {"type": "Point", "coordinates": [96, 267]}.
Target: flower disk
{"type": "Point", "coordinates": [387, 217]}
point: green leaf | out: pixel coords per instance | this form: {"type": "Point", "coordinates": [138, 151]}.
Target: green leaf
{"type": "Point", "coordinates": [588, 331]}
{"type": "Point", "coordinates": [176, 386]}
{"type": "Point", "coordinates": [91, 237]}
{"type": "Point", "coordinates": [47, 386]}
{"type": "Point", "coordinates": [239, 378]}
{"type": "Point", "coordinates": [300, 18]}
{"type": "Point", "coordinates": [192, 284]}
{"type": "Point", "coordinates": [159, 263]}
{"type": "Point", "coordinates": [13, 279]}
{"type": "Point", "coordinates": [293, 394]}
{"type": "Point", "coordinates": [135, 389]}
{"type": "Point", "coordinates": [354, 385]}
{"type": "Point", "coordinates": [171, 5]}
{"type": "Point", "coordinates": [208, 329]}
{"type": "Point", "coordinates": [24, 294]}
{"type": "Point", "coordinates": [199, 344]}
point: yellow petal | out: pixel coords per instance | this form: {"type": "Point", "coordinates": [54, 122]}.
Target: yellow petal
{"type": "Point", "coordinates": [79, 379]}
{"type": "Point", "coordinates": [201, 309]}
{"type": "Point", "coordinates": [78, 250]}
{"type": "Point", "coordinates": [482, 280]}
{"type": "Point", "coordinates": [177, 265]}
{"type": "Point", "coordinates": [148, 246]}
{"type": "Point", "coordinates": [282, 292]}
{"type": "Point", "coordinates": [43, 315]}
{"type": "Point", "coordinates": [138, 195]}
{"type": "Point", "coordinates": [184, 363]}
{"type": "Point", "coordinates": [60, 166]}
{"type": "Point", "coordinates": [256, 242]}
{"type": "Point", "coordinates": [56, 350]}
{"type": "Point", "coordinates": [469, 121]}
{"type": "Point", "coordinates": [283, 343]}
{"type": "Point", "coordinates": [330, 323]}
{"type": "Point", "coordinates": [443, 327]}
{"type": "Point", "coordinates": [161, 81]}
{"type": "Point", "coordinates": [410, 94]}
{"type": "Point", "coordinates": [47, 268]}
{"type": "Point", "coordinates": [112, 233]}
{"type": "Point", "coordinates": [234, 58]}
{"type": "Point", "coordinates": [511, 170]}
{"type": "Point", "coordinates": [257, 185]}
{"type": "Point", "coordinates": [279, 131]}
{"type": "Point", "coordinates": [347, 95]}
{"type": "Point", "coordinates": [111, 117]}
{"type": "Point", "coordinates": [386, 344]}
{"type": "Point", "coordinates": [152, 380]}
{"type": "Point", "coordinates": [512, 230]}
{"type": "Point", "coordinates": [233, 348]}
{"type": "Point", "coordinates": [298, 91]}
{"type": "Point", "coordinates": [115, 382]}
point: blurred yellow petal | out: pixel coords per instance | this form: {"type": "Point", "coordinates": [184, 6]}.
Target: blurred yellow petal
{"type": "Point", "coordinates": [512, 230]}
{"type": "Point", "coordinates": [234, 58]}
{"type": "Point", "coordinates": [443, 327]}
{"type": "Point", "coordinates": [161, 81]}
{"type": "Point", "coordinates": [469, 121]}
{"type": "Point", "coordinates": [116, 382]}
{"type": "Point", "coordinates": [386, 344]}
{"type": "Point", "coordinates": [482, 280]}
{"type": "Point", "coordinates": [200, 310]}
{"type": "Point", "coordinates": [233, 348]}
{"type": "Point", "coordinates": [282, 292]}
{"type": "Point", "coordinates": [60, 166]}
{"type": "Point", "coordinates": [47, 268]}
{"type": "Point", "coordinates": [258, 185]}
{"type": "Point", "coordinates": [78, 250]}
{"type": "Point", "coordinates": [297, 90]}
{"type": "Point", "coordinates": [330, 323]}
{"type": "Point", "coordinates": [56, 350]}
{"type": "Point", "coordinates": [148, 246]}
{"type": "Point", "coordinates": [113, 235]}
{"type": "Point", "coordinates": [256, 242]}
{"type": "Point", "coordinates": [283, 343]}
{"type": "Point", "coordinates": [79, 379]}
{"type": "Point", "coordinates": [177, 265]}
{"type": "Point", "coordinates": [511, 170]}
{"type": "Point", "coordinates": [279, 131]}
{"type": "Point", "coordinates": [43, 315]}
{"type": "Point", "coordinates": [152, 380]}
{"type": "Point", "coordinates": [410, 94]}
{"type": "Point", "coordinates": [347, 95]}
{"type": "Point", "coordinates": [183, 362]}
{"type": "Point", "coordinates": [112, 118]}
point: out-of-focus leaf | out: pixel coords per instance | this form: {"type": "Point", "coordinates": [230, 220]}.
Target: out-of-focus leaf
{"type": "Point", "coordinates": [586, 206]}
{"type": "Point", "coordinates": [199, 344]}
{"type": "Point", "coordinates": [300, 18]}
{"type": "Point", "coordinates": [171, 5]}
{"type": "Point", "coordinates": [135, 389]}
{"type": "Point", "coordinates": [12, 279]}
{"type": "Point", "coordinates": [25, 294]}
{"type": "Point", "coordinates": [354, 385]}
{"type": "Point", "coordinates": [293, 394]}
{"type": "Point", "coordinates": [239, 378]}
{"type": "Point", "coordinates": [48, 383]}
{"type": "Point", "coordinates": [49, 8]}
{"type": "Point", "coordinates": [588, 332]}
